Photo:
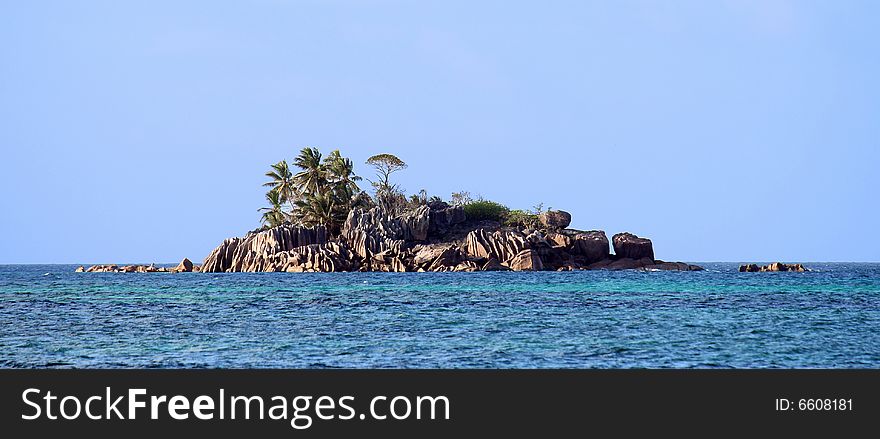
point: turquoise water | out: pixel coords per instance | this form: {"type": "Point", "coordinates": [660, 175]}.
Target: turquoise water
{"type": "Point", "coordinates": [53, 317]}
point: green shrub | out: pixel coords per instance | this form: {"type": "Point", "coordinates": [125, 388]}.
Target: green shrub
{"type": "Point", "coordinates": [485, 210]}
{"type": "Point", "coordinates": [522, 218]}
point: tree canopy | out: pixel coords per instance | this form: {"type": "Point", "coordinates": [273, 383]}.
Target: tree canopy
{"type": "Point", "coordinates": [385, 165]}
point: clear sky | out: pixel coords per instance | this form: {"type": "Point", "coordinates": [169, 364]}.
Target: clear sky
{"type": "Point", "coordinates": [723, 130]}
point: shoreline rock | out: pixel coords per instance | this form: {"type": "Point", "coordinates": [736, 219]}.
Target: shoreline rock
{"type": "Point", "coordinates": [434, 237]}
{"type": "Point", "coordinates": [185, 266]}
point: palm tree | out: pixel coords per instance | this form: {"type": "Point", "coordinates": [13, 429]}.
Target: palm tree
{"type": "Point", "coordinates": [282, 183]}
{"type": "Point", "coordinates": [273, 215]}
{"type": "Point", "coordinates": [320, 209]}
{"type": "Point", "coordinates": [312, 176]}
{"type": "Point", "coordinates": [321, 193]}
{"type": "Point", "coordinates": [340, 173]}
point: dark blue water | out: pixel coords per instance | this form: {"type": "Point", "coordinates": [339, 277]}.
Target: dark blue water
{"type": "Point", "coordinates": [715, 318]}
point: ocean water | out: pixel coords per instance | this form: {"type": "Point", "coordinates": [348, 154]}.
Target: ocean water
{"type": "Point", "coordinates": [829, 318]}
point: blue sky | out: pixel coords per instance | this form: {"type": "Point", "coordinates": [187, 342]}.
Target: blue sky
{"type": "Point", "coordinates": [725, 130]}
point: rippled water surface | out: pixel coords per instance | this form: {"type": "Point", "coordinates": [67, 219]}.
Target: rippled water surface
{"type": "Point", "coordinates": [53, 317]}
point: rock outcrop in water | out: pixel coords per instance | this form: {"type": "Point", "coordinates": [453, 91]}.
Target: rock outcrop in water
{"type": "Point", "coordinates": [627, 245]}
{"type": "Point", "coordinates": [185, 266]}
{"type": "Point", "coordinates": [776, 266]}
{"type": "Point", "coordinates": [264, 250]}
{"type": "Point", "coordinates": [435, 237]}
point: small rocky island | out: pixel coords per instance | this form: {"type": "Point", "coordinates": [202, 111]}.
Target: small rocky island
{"type": "Point", "coordinates": [434, 237]}
{"type": "Point", "coordinates": [319, 220]}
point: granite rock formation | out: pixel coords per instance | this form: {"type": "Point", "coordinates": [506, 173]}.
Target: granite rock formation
{"type": "Point", "coordinates": [185, 266]}
{"type": "Point", "coordinates": [555, 219]}
{"type": "Point", "coordinates": [431, 237]}
{"type": "Point", "coordinates": [627, 245]}
{"type": "Point", "coordinates": [435, 237]}
{"type": "Point", "coordinates": [256, 250]}
{"type": "Point", "coordinates": [776, 266]}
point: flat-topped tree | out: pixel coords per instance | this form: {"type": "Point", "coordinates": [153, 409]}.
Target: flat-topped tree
{"type": "Point", "coordinates": [386, 164]}
{"type": "Point", "coordinates": [389, 196]}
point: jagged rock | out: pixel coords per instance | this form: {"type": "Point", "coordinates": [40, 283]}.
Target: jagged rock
{"type": "Point", "coordinates": [536, 240]}
{"type": "Point", "coordinates": [627, 245]}
{"type": "Point", "coordinates": [371, 240]}
{"type": "Point", "coordinates": [467, 266]}
{"type": "Point", "coordinates": [593, 246]}
{"type": "Point", "coordinates": [526, 260]}
{"type": "Point", "coordinates": [398, 266]}
{"type": "Point", "coordinates": [502, 244]}
{"type": "Point", "coordinates": [558, 240]}
{"type": "Point", "coordinates": [776, 266]}
{"type": "Point", "coordinates": [555, 219]}
{"type": "Point", "coordinates": [253, 252]}
{"type": "Point", "coordinates": [373, 231]}
{"type": "Point", "coordinates": [426, 254]}
{"type": "Point", "coordinates": [493, 265]}
{"type": "Point", "coordinates": [443, 217]}
{"type": "Point", "coordinates": [109, 268]}
{"type": "Point", "coordinates": [185, 266]}
{"type": "Point", "coordinates": [415, 224]}
{"type": "Point", "coordinates": [327, 257]}
{"type": "Point", "coordinates": [450, 257]}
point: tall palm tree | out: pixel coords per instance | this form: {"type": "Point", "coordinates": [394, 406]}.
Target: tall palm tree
{"type": "Point", "coordinates": [340, 173]}
{"type": "Point", "coordinates": [312, 176]}
{"type": "Point", "coordinates": [274, 214]}
{"type": "Point", "coordinates": [282, 183]}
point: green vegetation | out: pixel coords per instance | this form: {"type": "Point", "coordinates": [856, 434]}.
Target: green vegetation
{"type": "Point", "coordinates": [388, 196]}
{"type": "Point", "coordinates": [485, 210]}
{"type": "Point", "coordinates": [522, 218]}
{"type": "Point", "coordinates": [274, 214]}
{"type": "Point", "coordinates": [385, 164]}
{"type": "Point", "coordinates": [321, 193]}
{"type": "Point", "coordinates": [282, 182]}
{"type": "Point", "coordinates": [322, 190]}
{"type": "Point", "coordinates": [461, 198]}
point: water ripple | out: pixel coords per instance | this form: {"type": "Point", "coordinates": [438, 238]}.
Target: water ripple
{"type": "Point", "coordinates": [714, 319]}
